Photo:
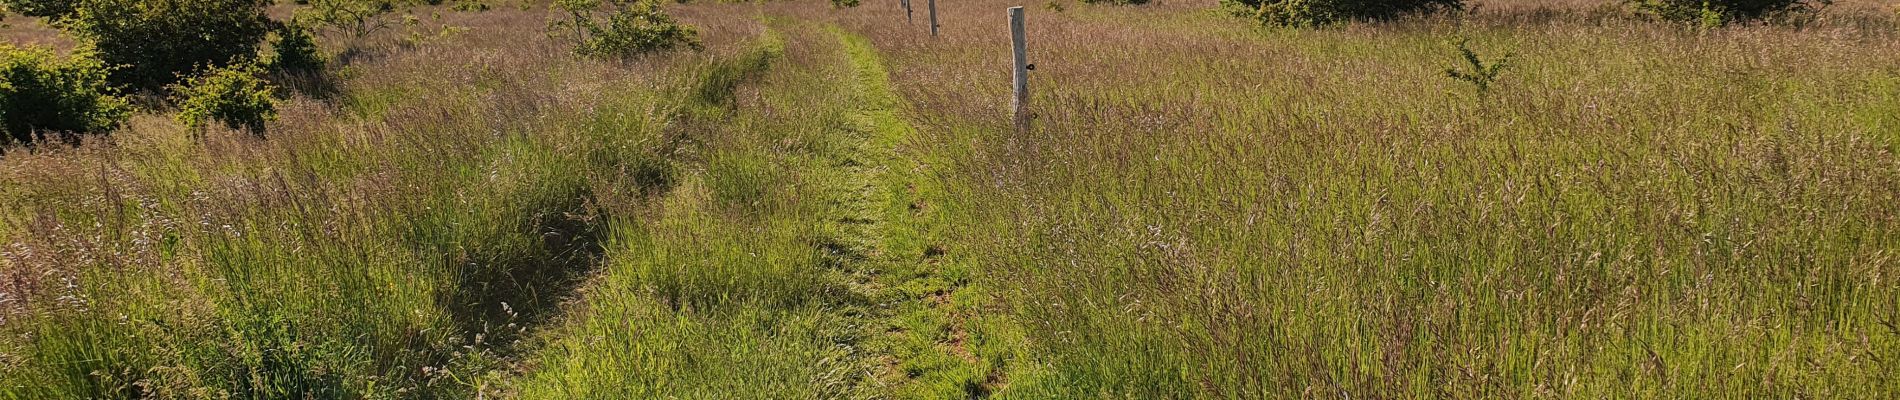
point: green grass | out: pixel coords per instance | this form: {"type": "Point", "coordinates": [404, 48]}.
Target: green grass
{"type": "Point", "coordinates": [1635, 212]}
{"type": "Point", "coordinates": [831, 204]}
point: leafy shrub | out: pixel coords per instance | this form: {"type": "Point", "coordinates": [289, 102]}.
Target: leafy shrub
{"type": "Point", "coordinates": [1717, 12]}
{"type": "Point", "coordinates": [1118, 2]}
{"type": "Point", "coordinates": [294, 50]}
{"type": "Point", "coordinates": [354, 17]}
{"type": "Point", "coordinates": [39, 8]}
{"type": "Point", "coordinates": [1480, 75]}
{"type": "Point", "coordinates": [40, 92]}
{"type": "Point", "coordinates": [236, 96]}
{"type": "Point", "coordinates": [1321, 12]}
{"type": "Point", "coordinates": [155, 42]}
{"type": "Point", "coordinates": [632, 28]}
{"type": "Point", "coordinates": [844, 3]}
{"type": "Point", "coordinates": [470, 6]}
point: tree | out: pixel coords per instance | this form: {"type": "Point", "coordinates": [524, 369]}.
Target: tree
{"type": "Point", "coordinates": [632, 28]}
{"type": "Point", "coordinates": [354, 17]}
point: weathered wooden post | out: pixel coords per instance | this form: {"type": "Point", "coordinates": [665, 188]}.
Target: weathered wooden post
{"type": "Point", "coordinates": [933, 18]}
{"type": "Point", "coordinates": [907, 18]}
{"type": "Point", "coordinates": [1018, 40]}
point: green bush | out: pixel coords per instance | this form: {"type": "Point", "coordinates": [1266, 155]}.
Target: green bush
{"type": "Point", "coordinates": [1480, 74]}
{"type": "Point", "coordinates": [155, 42]}
{"type": "Point", "coordinates": [1113, 2]}
{"type": "Point", "coordinates": [294, 50]}
{"type": "Point", "coordinates": [632, 28]}
{"type": "Point", "coordinates": [1322, 12]}
{"type": "Point", "coordinates": [236, 96]}
{"type": "Point", "coordinates": [40, 92]}
{"type": "Point", "coordinates": [470, 6]}
{"type": "Point", "coordinates": [354, 17]}
{"type": "Point", "coordinates": [1717, 12]}
{"type": "Point", "coordinates": [38, 8]}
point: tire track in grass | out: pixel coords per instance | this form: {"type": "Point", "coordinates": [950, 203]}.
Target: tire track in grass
{"type": "Point", "coordinates": [890, 237]}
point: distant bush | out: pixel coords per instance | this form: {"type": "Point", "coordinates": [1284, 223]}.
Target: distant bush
{"type": "Point", "coordinates": [844, 3]}
{"type": "Point", "coordinates": [294, 50]}
{"type": "Point", "coordinates": [1718, 12]}
{"type": "Point", "coordinates": [237, 96]}
{"type": "Point", "coordinates": [39, 8]}
{"type": "Point", "coordinates": [40, 92]}
{"type": "Point", "coordinates": [354, 17]}
{"type": "Point", "coordinates": [155, 42]}
{"type": "Point", "coordinates": [1117, 2]}
{"type": "Point", "coordinates": [632, 28]}
{"type": "Point", "coordinates": [1322, 12]}
{"type": "Point", "coordinates": [471, 6]}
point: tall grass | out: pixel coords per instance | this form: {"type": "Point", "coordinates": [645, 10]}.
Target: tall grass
{"type": "Point", "coordinates": [394, 241]}
{"type": "Point", "coordinates": [1205, 209]}
{"type": "Point", "coordinates": [833, 204]}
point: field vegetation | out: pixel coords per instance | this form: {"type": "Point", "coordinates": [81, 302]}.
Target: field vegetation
{"type": "Point", "coordinates": [634, 199]}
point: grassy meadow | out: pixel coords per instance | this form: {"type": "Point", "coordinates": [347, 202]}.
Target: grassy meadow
{"type": "Point", "coordinates": [831, 203]}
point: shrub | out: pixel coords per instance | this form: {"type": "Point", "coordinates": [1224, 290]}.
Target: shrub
{"type": "Point", "coordinates": [1478, 73]}
{"type": "Point", "coordinates": [155, 42]}
{"type": "Point", "coordinates": [632, 28]}
{"type": "Point", "coordinates": [40, 92]}
{"type": "Point", "coordinates": [39, 8]}
{"type": "Point", "coordinates": [1116, 2]}
{"type": "Point", "coordinates": [1321, 12]}
{"type": "Point", "coordinates": [1717, 12]}
{"type": "Point", "coordinates": [844, 3]}
{"type": "Point", "coordinates": [470, 6]}
{"type": "Point", "coordinates": [236, 96]}
{"type": "Point", "coordinates": [294, 50]}
{"type": "Point", "coordinates": [354, 17]}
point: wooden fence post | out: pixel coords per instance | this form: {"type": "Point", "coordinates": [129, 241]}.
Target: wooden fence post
{"type": "Point", "coordinates": [907, 18]}
{"type": "Point", "coordinates": [933, 18]}
{"type": "Point", "coordinates": [1018, 41]}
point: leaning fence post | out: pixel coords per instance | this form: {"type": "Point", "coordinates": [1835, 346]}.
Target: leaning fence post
{"type": "Point", "coordinates": [933, 17]}
{"type": "Point", "coordinates": [1020, 104]}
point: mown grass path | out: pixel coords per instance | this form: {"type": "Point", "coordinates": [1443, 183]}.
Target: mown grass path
{"type": "Point", "coordinates": [800, 254]}
{"type": "Point", "coordinates": [892, 235]}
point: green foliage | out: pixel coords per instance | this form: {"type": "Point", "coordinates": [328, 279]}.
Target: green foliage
{"type": "Point", "coordinates": [1480, 75]}
{"type": "Point", "coordinates": [155, 42]}
{"type": "Point", "coordinates": [236, 96]}
{"type": "Point", "coordinates": [39, 8]}
{"type": "Point", "coordinates": [631, 28]}
{"type": "Point", "coordinates": [844, 3]}
{"type": "Point", "coordinates": [1117, 2]}
{"type": "Point", "coordinates": [40, 92]}
{"type": "Point", "coordinates": [1719, 12]}
{"type": "Point", "coordinates": [354, 17]}
{"type": "Point", "coordinates": [294, 50]}
{"type": "Point", "coordinates": [1322, 12]}
{"type": "Point", "coordinates": [471, 6]}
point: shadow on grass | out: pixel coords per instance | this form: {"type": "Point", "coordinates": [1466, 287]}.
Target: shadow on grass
{"type": "Point", "coordinates": [503, 289]}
